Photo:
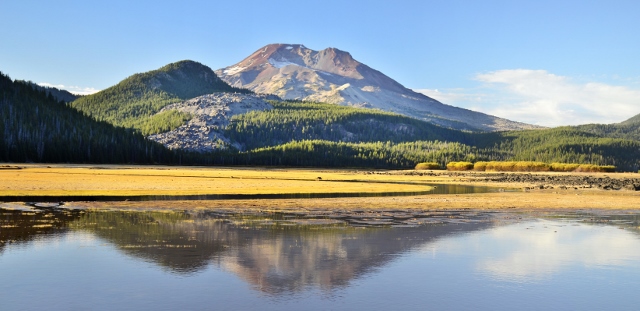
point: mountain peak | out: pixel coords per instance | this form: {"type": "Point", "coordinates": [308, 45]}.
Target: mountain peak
{"type": "Point", "coordinates": [293, 71]}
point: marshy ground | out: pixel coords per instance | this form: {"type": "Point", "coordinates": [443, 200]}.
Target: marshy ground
{"type": "Point", "coordinates": [511, 190]}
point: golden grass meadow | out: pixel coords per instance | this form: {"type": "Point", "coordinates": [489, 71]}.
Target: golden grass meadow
{"type": "Point", "coordinates": [117, 180]}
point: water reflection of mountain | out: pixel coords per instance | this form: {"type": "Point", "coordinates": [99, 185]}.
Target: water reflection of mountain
{"type": "Point", "coordinates": [18, 226]}
{"type": "Point", "coordinates": [273, 257]}
{"type": "Point", "coordinates": [294, 260]}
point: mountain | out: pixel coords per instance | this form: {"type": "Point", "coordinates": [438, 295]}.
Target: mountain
{"type": "Point", "coordinates": [35, 127]}
{"type": "Point", "coordinates": [293, 71]}
{"type": "Point", "coordinates": [135, 101]}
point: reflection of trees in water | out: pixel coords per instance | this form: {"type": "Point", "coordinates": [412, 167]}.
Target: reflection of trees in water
{"type": "Point", "coordinates": [173, 240]}
{"type": "Point", "coordinates": [24, 226]}
{"type": "Point", "coordinates": [273, 257]}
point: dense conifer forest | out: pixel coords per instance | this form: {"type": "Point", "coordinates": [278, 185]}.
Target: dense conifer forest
{"type": "Point", "coordinates": [291, 121]}
{"type": "Point", "coordinates": [35, 127]}
{"type": "Point", "coordinates": [626, 130]}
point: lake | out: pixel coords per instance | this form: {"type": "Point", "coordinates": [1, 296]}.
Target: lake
{"type": "Point", "coordinates": [58, 259]}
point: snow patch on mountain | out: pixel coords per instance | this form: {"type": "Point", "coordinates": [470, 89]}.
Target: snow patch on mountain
{"type": "Point", "coordinates": [234, 70]}
{"type": "Point", "coordinates": [280, 63]}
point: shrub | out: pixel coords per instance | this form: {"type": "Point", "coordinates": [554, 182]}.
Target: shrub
{"type": "Point", "coordinates": [428, 166]}
{"type": "Point", "coordinates": [564, 167]}
{"type": "Point", "coordinates": [459, 166]}
{"type": "Point", "coordinates": [531, 166]}
{"type": "Point", "coordinates": [480, 166]}
{"type": "Point", "coordinates": [595, 168]}
{"type": "Point", "coordinates": [496, 166]}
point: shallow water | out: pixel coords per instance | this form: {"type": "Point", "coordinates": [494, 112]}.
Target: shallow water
{"type": "Point", "coordinates": [79, 260]}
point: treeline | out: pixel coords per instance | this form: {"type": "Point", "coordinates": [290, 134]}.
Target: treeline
{"type": "Point", "coordinates": [322, 153]}
{"type": "Point", "coordinates": [385, 155]}
{"type": "Point", "coordinates": [562, 145]}
{"type": "Point", "coordinates": [35, 127]}
{"type": "Point", "coordinates": [133, 102]}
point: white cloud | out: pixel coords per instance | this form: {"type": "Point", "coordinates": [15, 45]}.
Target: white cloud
{"type": "Point", "coordinates": [71, 88]}
{"type": "Point", "coordinates": [533, 251]}
{"type": "Point", "coordinates": [539, 97]}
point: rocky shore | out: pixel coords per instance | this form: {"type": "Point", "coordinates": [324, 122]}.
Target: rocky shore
{"type": "Point", "coordinates": [530, 181]}
{"type": "Point", "coordinates": [568, 181]}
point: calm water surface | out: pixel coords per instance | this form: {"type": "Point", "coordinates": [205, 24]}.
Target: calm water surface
{"type": "Point", "coordinates": [82, 260]}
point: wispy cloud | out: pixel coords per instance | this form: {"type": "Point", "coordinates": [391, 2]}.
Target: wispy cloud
{"type": "Point", "coordinates": [540, 97]}
{"type": "Point", "coordinates": [78, 90]}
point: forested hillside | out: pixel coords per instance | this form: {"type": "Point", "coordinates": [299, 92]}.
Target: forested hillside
{"type": "Point", "coordinates": [35, 127]}
{"type": "Point", "coordinates": [291, 121]}
{"type": "Point", "coordinates": [134, 102]}
{"type": "Point", "coordinates": [562, 144]}
{"type": "Point", "coordinates": [629, 129]}
{"type": "Point", "coordinates": [633, 120]}
{"type": "Point", "coordinates": [311, 134]}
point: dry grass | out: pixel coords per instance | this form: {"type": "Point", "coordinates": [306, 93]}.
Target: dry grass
{"type": "Point", "coordinates": [138, 180]}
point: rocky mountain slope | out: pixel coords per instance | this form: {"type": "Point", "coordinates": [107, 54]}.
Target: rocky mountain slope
{"type": "Point", "coordinates": [334, 76]}
{"type": "Point", "coordinates": [210, 115]}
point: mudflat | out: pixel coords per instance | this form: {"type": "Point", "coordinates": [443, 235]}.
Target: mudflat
{"type": "Point", "coordinates": [546, 190]}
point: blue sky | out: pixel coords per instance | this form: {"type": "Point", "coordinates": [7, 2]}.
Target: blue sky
{"type": "Point", "coordinates": [543, 62]}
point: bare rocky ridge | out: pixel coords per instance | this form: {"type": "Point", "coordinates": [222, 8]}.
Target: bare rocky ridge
{"type": "Point", "coordinates": [293, 71]}
{"type": "Point", "coordinates": [210, 116]}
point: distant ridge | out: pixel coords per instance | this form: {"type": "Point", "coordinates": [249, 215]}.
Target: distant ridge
{"type": "Point", "coordinates": [293, 71]}
{"type": "Point", "coordinates": [633, 120]}
{"type": "Point", "coordinates": [58, 94]}
{"type": "Point", "coordinates": [628, 129]}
